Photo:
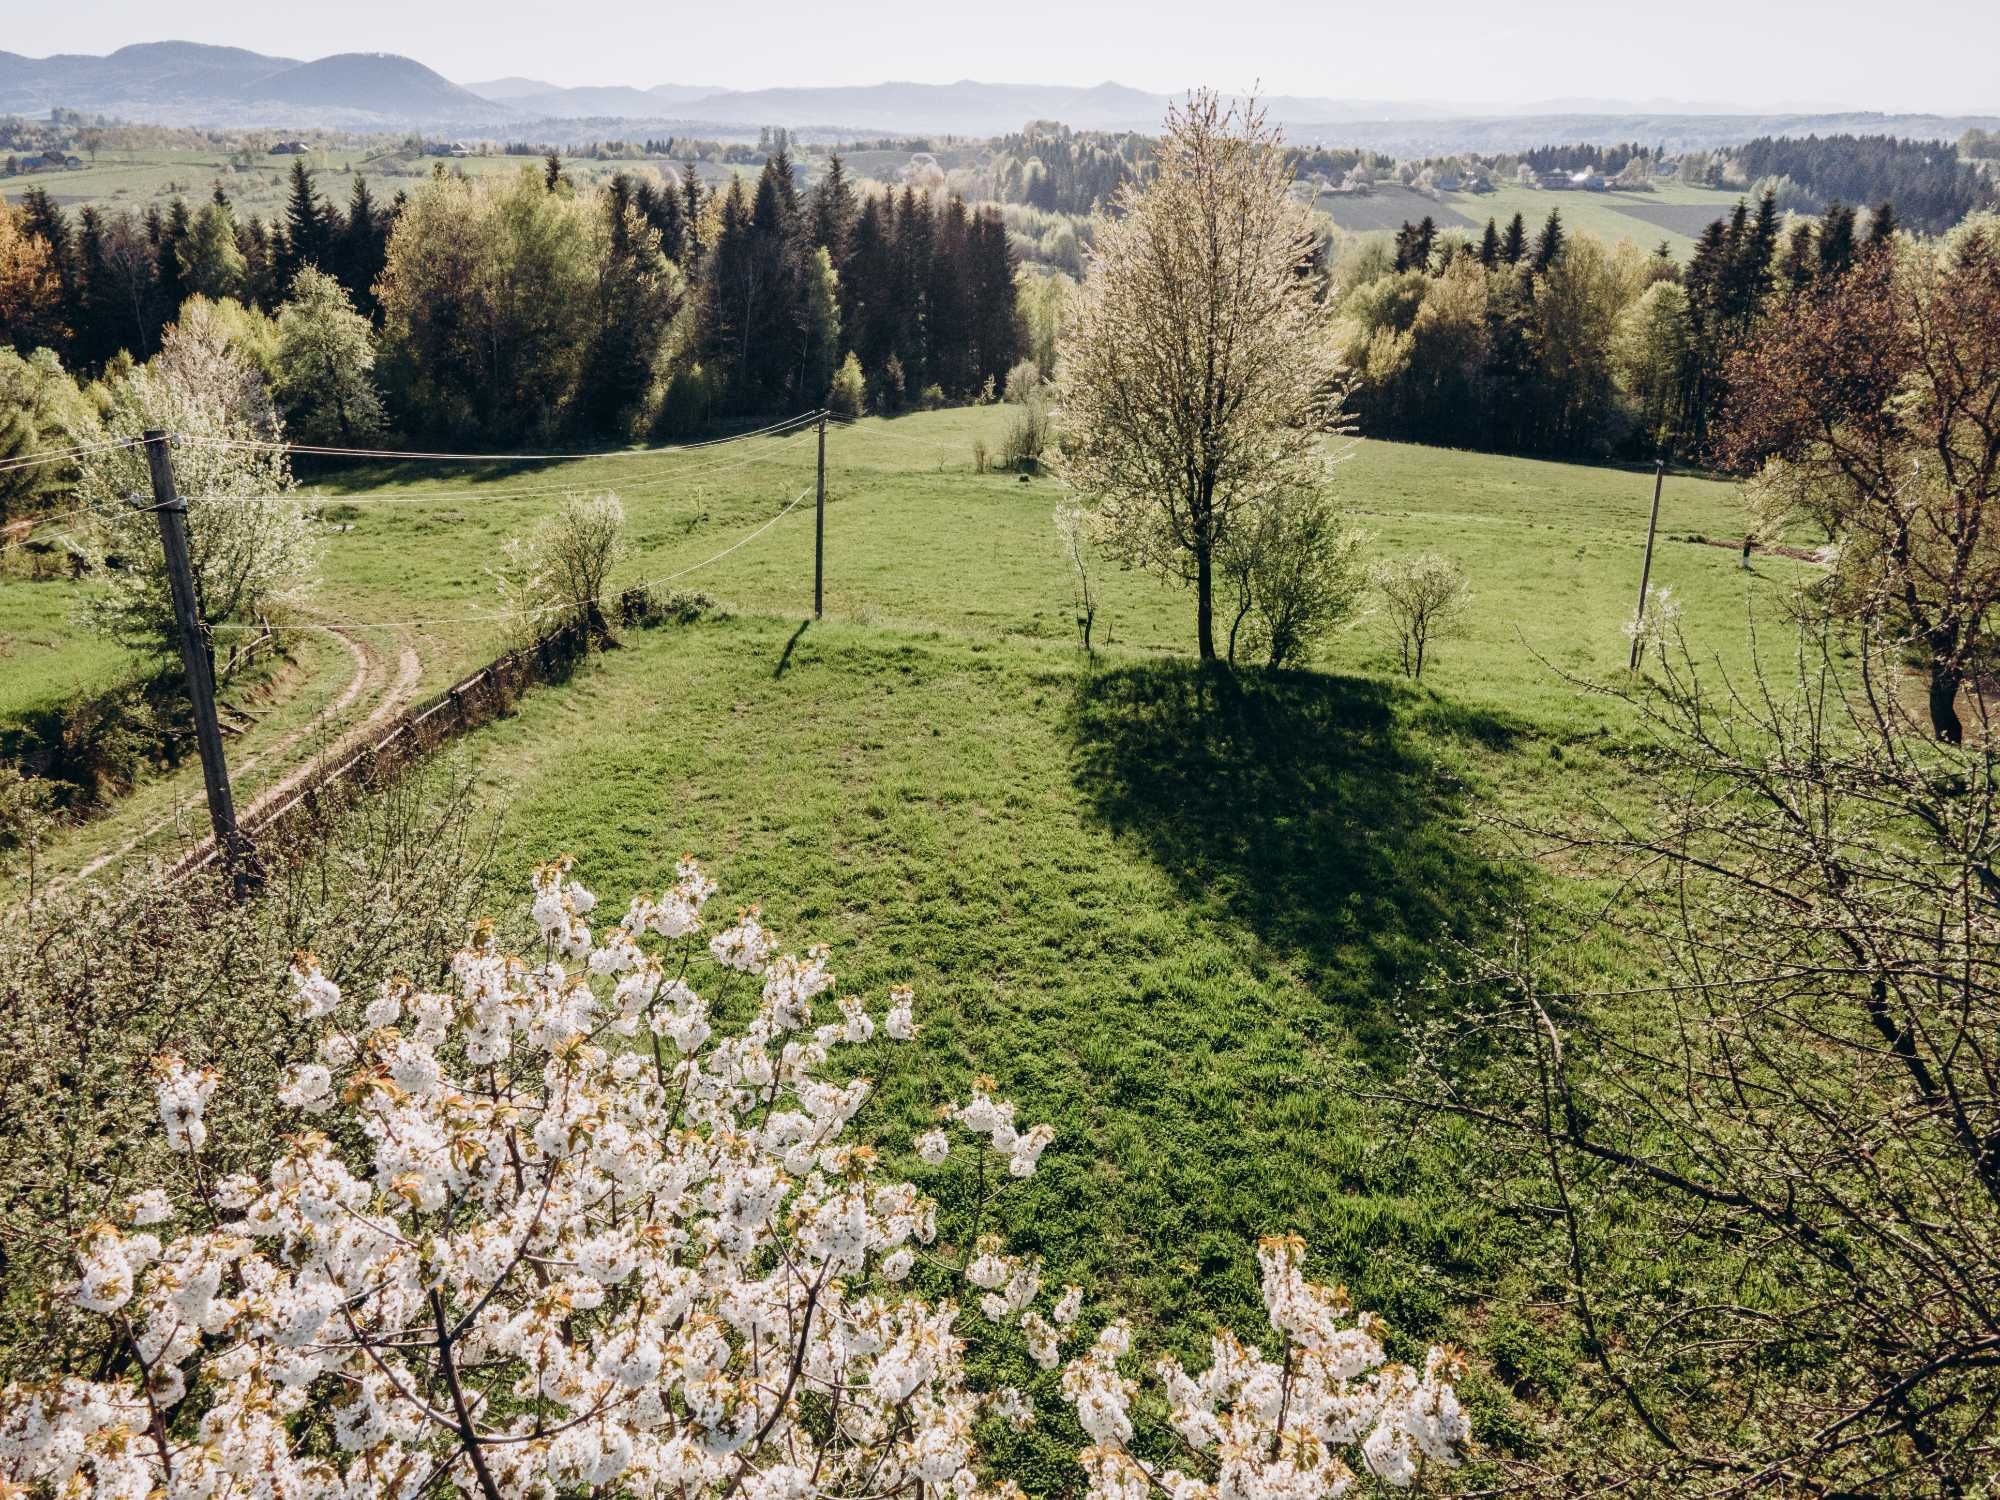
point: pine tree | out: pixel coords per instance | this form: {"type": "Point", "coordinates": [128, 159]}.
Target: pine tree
{"type": "Point", "coordinates": [552, 171]}
{"type": "Point", "coordinates": [833, 211]}
{"type": "Point", "coordinates": [1515, 243]}
{"type": "Point", "coordinates": [1549, 243]}
{"type": "Point", "coordinates": [1489, 246]}
{"type": "Point", "coordinates": [364, 248]}
{"type": "Point", "coordinates": [305, 226]}
{"type": "Point", "coordinates": [1882, 225]}
{"type": "Point", "coordinates": [1836, 239]}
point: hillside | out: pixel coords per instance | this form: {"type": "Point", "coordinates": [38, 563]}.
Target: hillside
{"type": "Point", "coordinates": [188, 83]}
{"type": "Point", "coordinates": [372, 83]}
{"type": "Point", "coordinates": [151, 79]}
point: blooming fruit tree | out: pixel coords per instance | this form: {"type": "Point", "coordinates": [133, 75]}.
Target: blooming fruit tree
{"type": "Point", "coordinates": [549, 1232]}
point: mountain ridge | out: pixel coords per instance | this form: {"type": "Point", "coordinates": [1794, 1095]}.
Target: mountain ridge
{"type": "Point", "coordinates": [193, 83]}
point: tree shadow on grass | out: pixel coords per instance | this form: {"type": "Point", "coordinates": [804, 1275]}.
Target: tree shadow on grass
{"type": "Point", "coordinates": [1310, 809]}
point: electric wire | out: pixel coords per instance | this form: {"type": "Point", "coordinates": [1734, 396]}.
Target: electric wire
{"type": "Point", "coordinates": [324, 450]}
{"type": "Point", "coordinates": [710, 469]}
{"type": "Point", "coordinates": [486, 616]}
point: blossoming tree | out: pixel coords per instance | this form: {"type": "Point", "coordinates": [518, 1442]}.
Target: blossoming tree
{"type": "Point", "coordinates": [548, 1231]}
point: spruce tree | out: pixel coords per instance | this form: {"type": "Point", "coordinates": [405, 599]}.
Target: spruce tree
{"type": "Point", "coordinates": [364, 248]}
{"type": "Point", "coordinates": [1489, 246]}
{"type": "Point", "coordinates": [1882, 225]}
{"type": "Point", "coordinates": [1424, 244]}
{"type": "Point", "coordinates": [1549, 243]}
{"type": "Point", "coordinates": [1515, 243]}
{"type": "Point", "coordinates": [833, 211]}
{"type": "Point", "coordinates": [692, 248]}
{"type": "Point", "coordinates": [1836, 239]}
{"type": "Point", "coordinates": [305, 228]}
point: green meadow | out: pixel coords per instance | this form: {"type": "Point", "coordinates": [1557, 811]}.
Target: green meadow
{"type": "Point", "coordinates": [1182, 914]}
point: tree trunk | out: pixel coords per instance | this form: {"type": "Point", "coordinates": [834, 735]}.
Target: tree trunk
{"type": "Point", "coordinates": [1204, 603]}
{"type": "Point", "coordinates": [1944, 704]}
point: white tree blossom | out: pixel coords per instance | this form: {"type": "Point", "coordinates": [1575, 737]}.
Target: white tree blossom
{"type": "Point", "coordinates": [551, 1229]}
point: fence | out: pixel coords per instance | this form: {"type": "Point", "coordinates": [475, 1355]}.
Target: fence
{"type": "Point", "coordinates": [464, 706]}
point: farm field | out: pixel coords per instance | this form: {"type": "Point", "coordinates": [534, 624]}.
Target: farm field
{"type": "Point", "coordinates": [258, 184]}
{"type": "Point", "coordinates": [919, 541]}
{"type": "Point", "coordinates": [1672, 212]}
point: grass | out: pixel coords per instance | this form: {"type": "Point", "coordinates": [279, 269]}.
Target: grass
{"type": "Point", "coordinates": [916, 539]}
{"type": "Point", "coordinates": [1178, 913]}
{"type": "Point", "coordinates": [261, 184]}
{"type": "Point", "coordinates": [1672, 212]}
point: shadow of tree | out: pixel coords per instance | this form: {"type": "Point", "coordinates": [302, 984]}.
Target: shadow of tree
{"type": "Point", "coordinates": [1305, 807]}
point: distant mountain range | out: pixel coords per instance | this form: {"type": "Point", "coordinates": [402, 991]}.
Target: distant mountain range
{"type": "Point", "coordinates": [189, 83]}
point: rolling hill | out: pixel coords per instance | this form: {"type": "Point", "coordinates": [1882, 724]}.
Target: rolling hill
{"type": "Point", "coordinates": [380, 84]}
{"type": "Point", "coordinates": [190, 83]}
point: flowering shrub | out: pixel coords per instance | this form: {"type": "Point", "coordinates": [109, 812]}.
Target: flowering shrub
{"type": "Point", "coordinates": [554, 1232]}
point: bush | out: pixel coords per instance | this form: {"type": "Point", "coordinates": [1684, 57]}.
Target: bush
{"type": "Point", "coordinates": [640, 605]}
{"type": "Point", "coordinates": [1024, 380]}
{"type": "Point", "coordinates": [1027, 437]}
{"type": "Point", "coordinates": [849, 391]}
{"type": "Point", "coordinates": [555, 1179]}
{"type": "Point", "coordinates": [556, 575]}
{"type": "Point", "coordinates": [1299, 575]}
{"type": "Point", "coordinates": [932, 398]}
{"type": "Point", "coordinates": [981, 459]}
{"type": "Point", "coordinates": [1427, 597]}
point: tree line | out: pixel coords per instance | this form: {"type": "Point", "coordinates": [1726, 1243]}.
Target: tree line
{"type": "Point", "coordinates": [1547, 341]}
{"type": "Point", "coordinates": [1930, 186]}
{"type": "Point", "coordinates": [654, 305]}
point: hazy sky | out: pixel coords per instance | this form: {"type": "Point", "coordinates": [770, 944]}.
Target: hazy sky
{"type": "Point", "coordinates": [1939, 55]}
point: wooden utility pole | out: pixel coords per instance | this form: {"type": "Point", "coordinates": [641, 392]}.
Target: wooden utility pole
{"type": "Point", "coordinates": [1646, 569]}
{"type": "Point", "coordinates": [238, 854]}
{"type": "Point", "coordinates": [819, 525]}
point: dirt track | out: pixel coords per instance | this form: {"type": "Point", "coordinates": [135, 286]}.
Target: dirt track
{"type": "Point", "coordinates": [371, 674]}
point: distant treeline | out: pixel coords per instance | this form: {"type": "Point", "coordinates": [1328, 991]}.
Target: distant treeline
{"type": "Point", "coordinates": [1540, 341]}
{"type": "Point", "coordinates": [1052, 167]}
{"type": "Point", "coordinates": [1930, 186]}
{"type": "Point", "coordinates": [1610, 160]}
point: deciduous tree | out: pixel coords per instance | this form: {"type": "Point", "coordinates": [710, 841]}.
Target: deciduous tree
{"type": "Point", "coordinates": [1198, 377]}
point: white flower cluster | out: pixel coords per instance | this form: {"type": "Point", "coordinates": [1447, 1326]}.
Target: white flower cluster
{"type": "Point", "coordinates": [1273, 1430]}
{"type": "Point", "coordinates": [545, 1232]}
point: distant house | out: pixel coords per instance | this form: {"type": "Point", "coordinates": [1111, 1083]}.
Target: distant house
{"type": "Point", "coordinates": [1449, 182]}
{"type": "Point", "coordinates": [290, 148]}
{"type": "Point", "coordinates": [447, 148]}
{"type": "Point", "coordinates": [1587, 181]}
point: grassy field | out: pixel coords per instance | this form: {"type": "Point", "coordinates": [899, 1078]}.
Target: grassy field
{"type": "Point", "coordinates": [1182, 915]}
{"type": "Point", "coordinates": [259, 184]}
{"type": "Point", "coordinates": [1671, 213]}
{"type": "Point", "coordinates": [919, 541]}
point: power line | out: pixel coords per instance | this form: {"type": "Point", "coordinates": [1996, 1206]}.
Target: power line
{"type": "Point", "coordinates": [57, 455]}
{"type": "Point", "coordinates": [540, 609]}
{"type": "Point", "coordinates": [708, 471]}
{"type": "Point", "coordinates": [41, 521]}
{"type": "Point", "coordinates": [329, 451]}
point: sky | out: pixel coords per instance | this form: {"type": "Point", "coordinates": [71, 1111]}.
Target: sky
{"type": "Point", "coordinates": [1930, 55]}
